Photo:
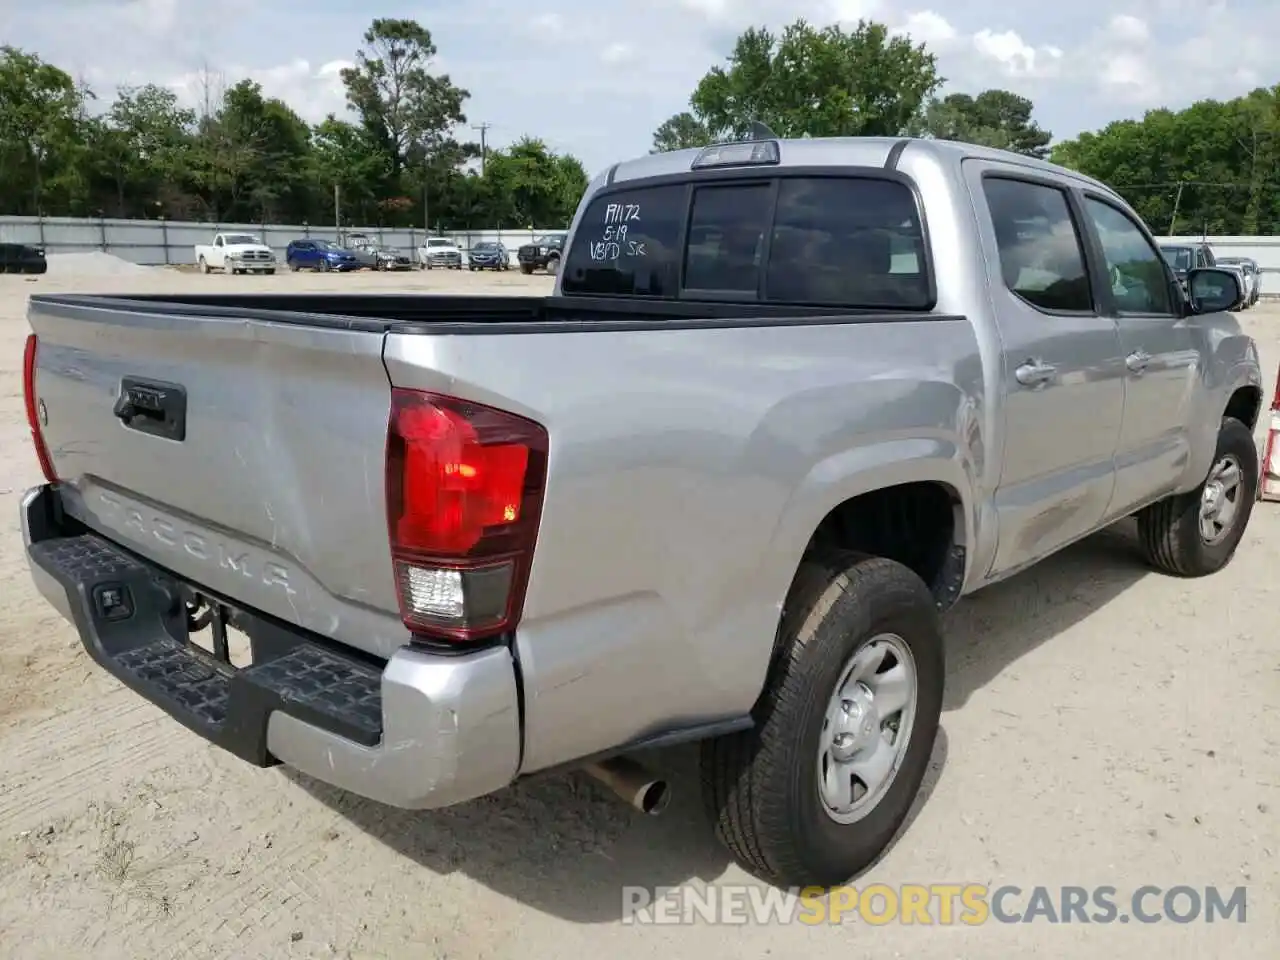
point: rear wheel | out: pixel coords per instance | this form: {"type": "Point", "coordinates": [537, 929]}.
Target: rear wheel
{"type": "Point", "coordinates": [204, 265]}
{"type": "Point", "coordinates": [816, 791]}
{"type": "Point", "coordinates": [526, 268]}
{"type": "Point", "coordinates": [1195, 534]}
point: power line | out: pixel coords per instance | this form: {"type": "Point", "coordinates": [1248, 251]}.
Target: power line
{"type": "Point", "coordinates": [1172, 184]}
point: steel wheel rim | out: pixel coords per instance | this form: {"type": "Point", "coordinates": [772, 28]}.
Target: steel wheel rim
{"type": "Point", "coordinates": [1221, 499]}
{"type": "Point", "coordinates": [867, 728]}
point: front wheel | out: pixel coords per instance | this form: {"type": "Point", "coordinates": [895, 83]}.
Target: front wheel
{"type": "Point", "coordinates": [526, 268]}
{"type": "Point", "coordinates": [553, 266]}
{"type": "Point", "coordinates": [1195, 534]}
{"type": "Point", "coordinates": [816, 791]}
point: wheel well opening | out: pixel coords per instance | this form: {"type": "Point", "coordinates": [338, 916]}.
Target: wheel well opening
{"type": "Point", "coordinates": [920, 525]}
{"type": "Point", "coordinates": [1245, 405]}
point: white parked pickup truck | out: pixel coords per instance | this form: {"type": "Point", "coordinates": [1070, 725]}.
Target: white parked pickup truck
{"type": "Point", "coordinates": [235, 253]}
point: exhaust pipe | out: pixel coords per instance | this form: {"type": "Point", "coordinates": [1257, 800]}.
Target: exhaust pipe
{"type": "Point", "coordinates": [632, 783]}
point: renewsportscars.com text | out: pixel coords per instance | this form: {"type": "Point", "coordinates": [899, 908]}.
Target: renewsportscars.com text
{"type": "Point", "coordinates": [966, 904]}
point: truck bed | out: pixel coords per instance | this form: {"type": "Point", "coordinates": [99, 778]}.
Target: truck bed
{"type": "Point", "coordinates": [676, 447]}
{"type": "Point", "coordinates": [454, 314]}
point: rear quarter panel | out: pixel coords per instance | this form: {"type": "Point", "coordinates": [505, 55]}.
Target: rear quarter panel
{"type": "Point", "coordinates": [1229, 361]}
{"type": "Point", "coordinates": [687, 471]}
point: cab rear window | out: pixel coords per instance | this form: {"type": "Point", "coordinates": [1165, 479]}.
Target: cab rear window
{"type": "Point", "coordinates": [807, 240]}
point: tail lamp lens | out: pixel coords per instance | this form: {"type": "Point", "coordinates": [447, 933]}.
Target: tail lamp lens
{"type": "Point", "coordinates": [33, 408]}
{"type": "Point", "coordinates": [464, 493]}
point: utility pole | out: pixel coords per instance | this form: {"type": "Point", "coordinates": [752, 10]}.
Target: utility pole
{"type": "Point", "coordinates": [484, 147]}
{"type": "Point", "coordinates": [337, 212]}
{"type": "Point", "coordinates": [1177, 202]}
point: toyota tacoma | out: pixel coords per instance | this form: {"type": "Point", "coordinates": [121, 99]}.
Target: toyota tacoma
{"type": "Point", "coordinates": [788, 401]}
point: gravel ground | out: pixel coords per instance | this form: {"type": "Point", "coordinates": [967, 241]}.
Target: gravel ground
{"type": "Point", "coordinates": [1103, 725]}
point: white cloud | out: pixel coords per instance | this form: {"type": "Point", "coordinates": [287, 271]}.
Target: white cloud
{"type": "Point", "coordinates": [1130, 29]}
{"type": "Point", "coordinates": [1014, 56]}
{"type": "Point", "coordinates": [312, 92]}
{"type": "Point", "coordinates": [929, 28]}
{"type": "Point", "coordinates": [549, 25]}
{"type": "Point", "coordinates": [618, 53]}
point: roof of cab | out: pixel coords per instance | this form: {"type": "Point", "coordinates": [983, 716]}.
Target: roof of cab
{"type": "Point", "coordinates": [847, 151]}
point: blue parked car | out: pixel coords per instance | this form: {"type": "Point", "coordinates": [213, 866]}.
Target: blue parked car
{"type": "Point", "coordinates": [322, 255]}
{"type": "Point", "coordinates": [488, 255]}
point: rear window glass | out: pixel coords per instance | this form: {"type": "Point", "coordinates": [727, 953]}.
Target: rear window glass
{"type": "Point", "coordinates": [848, 241]}
{"type": "Point", "coordinates": [727, 227]}
{"type": "Point", "coordinates": [628, 245]}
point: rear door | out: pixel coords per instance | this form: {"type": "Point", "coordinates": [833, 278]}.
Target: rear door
{"type": "Point", "coordinates": [1063, 371]}
{"type": "Point", "coordinates": [1160, 355]}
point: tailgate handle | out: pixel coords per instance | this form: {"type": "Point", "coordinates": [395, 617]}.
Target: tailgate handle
{"type": "Point", "coordinates": [153, 407]}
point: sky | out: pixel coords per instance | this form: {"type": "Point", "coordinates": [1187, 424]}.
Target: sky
{"type": "Point", "coordinates": [596, 79]}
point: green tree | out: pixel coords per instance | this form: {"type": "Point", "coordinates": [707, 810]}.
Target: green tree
{"type": "Point", "coordinates": [42, 127]}
{"type": "Point", "coordinates": [680, 132]}
{"type": "Point", "coordinates": [1213, 167]}
{"type": "Point", "coordinates": [242, 155]}
{"type": "Point", "coordinates": [994, 118]}
{"type": "Point", "coordinates": [529, 184]}
{"type": "Point", "coordinates": [345, 155]}
{"type": "Point", "coordinates": [401, 104]}
{"type": "Point", "coordinates": [251, 156]}
{"type": "Point", "coordinates": [817, 81]}
{"type": "Point", "coordinates": [143, 143]}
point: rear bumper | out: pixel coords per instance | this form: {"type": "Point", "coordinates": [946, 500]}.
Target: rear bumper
{"type": "Point", "coordinates": [419, 731]}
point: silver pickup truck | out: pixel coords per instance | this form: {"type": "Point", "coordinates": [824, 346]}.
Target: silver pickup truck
{"type": "Point", "coordinates": [788, 401]}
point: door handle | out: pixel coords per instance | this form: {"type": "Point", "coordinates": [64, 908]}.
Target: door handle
{"type": "Point", "coordinates": [1137, 361]}
{"type": "Point", "coordinates": [1033, 373]}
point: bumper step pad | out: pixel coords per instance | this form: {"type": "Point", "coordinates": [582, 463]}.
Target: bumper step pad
{"type": "Point", "coordinates": [132, 620]}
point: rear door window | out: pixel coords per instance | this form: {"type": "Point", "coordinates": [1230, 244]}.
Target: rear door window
{"type": "Point", "coordinates": [1041, 255]}
{"type": "Point", "coordinates": [805, 240]}
{"type": "Point", "coordinates": [847, 240]}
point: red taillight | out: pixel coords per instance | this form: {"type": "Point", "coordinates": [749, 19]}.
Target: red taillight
{"type": "Point", "coordinates": [33, 408]}
{"type": "Point", "coordinates": [464, 492]}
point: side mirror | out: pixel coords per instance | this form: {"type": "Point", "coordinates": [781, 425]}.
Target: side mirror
{"type": "Point", "coordinates": [1211, 290]}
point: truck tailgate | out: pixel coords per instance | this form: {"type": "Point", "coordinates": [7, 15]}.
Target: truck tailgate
{"type": "Point", "coordinates": [272, 491]}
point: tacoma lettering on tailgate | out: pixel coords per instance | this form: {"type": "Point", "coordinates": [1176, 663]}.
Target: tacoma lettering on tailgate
{"type": "Point", "coordinates": [201, 546]}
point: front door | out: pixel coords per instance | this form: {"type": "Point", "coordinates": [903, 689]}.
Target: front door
{"type": "Point", "coordinates": [1063, 372]}
{"type": "Point", "coordinates": [1161, 359]}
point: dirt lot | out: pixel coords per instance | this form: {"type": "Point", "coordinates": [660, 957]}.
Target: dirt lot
{"type": "Point", "coordinates": [1103, 725]}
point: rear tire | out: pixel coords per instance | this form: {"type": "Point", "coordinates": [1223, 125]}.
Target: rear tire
{"type": "Point", "coordinates": [762, 787]}
{"type": "Point", "coordinates": [204, 265]}
{"type": "Point", "coordinates": [526, 269]}
{"type": "Point", "coordinates": [1175, 536]}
